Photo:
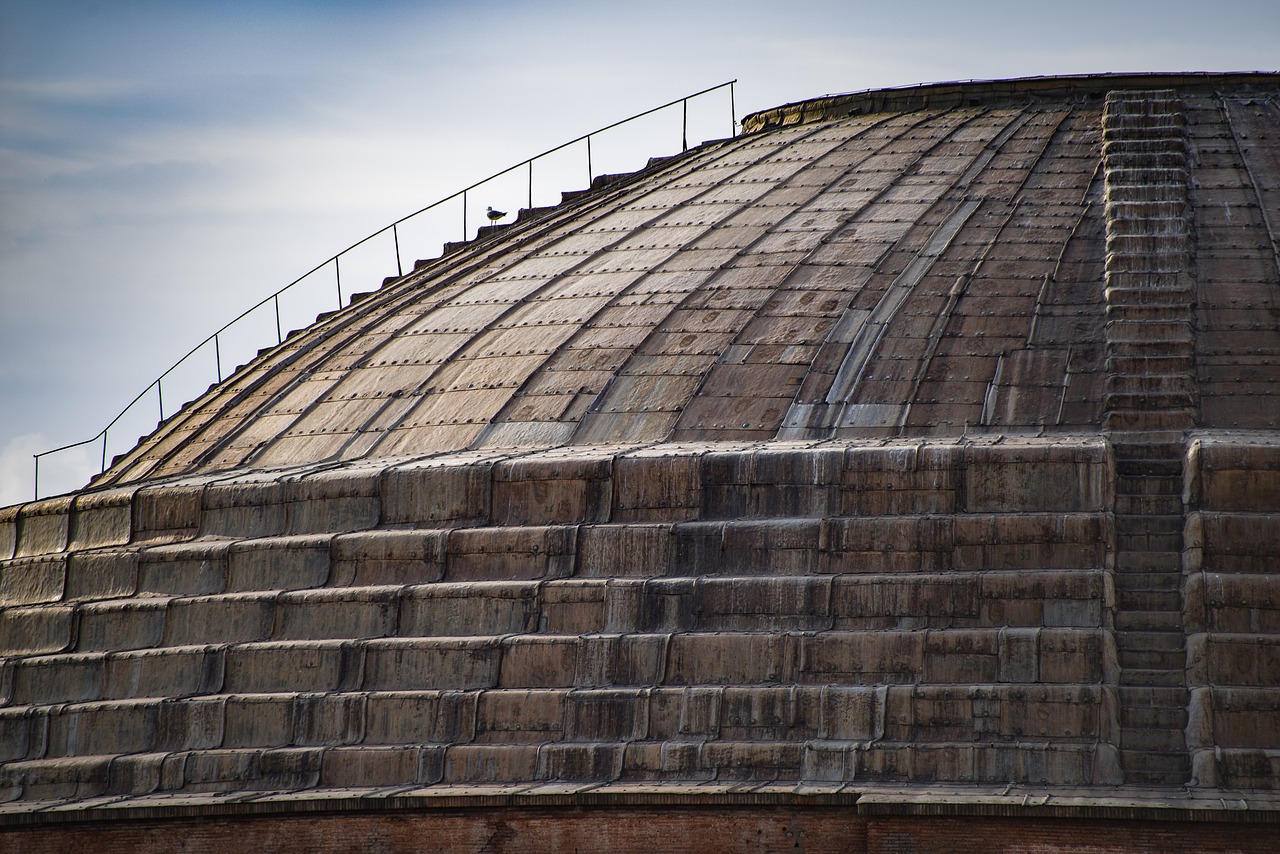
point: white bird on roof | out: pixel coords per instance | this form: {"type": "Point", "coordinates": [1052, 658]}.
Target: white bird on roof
{"type": "Point", "coordinates": [493, 215]}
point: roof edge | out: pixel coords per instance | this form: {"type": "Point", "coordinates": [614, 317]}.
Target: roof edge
{"type": "Point", "coordinates": [981, 92]}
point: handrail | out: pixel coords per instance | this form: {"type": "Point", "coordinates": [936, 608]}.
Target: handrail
{"type": "Point", "coordinates": [157, 383]}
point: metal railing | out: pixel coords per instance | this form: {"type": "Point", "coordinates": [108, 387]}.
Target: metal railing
{"type": "Point", "coordinates": [394, 228]}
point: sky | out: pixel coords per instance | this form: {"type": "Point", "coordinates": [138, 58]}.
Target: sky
{"type": "Point", "coordinates": [164, 166]}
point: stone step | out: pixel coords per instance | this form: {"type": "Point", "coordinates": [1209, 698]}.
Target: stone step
{"type": "Point", "coordinates": [1151, 386]}
{"type": "Point", "coordinates": [1149, 621]}
{"type": "Point", "coordinates": [1150, 364]}
{"type": "Point", "coordinates": [1149, 600]}
{"type": "Point", "coordinates": [1132, 580]}
{"type": "Point", "coordinates": [1143, 659]}
{"type": "Point", "coordinates": [1153, 717]}
{"type": "Point", "coordinates": [1139, 484]}
{"type": "Point", "coordinates": [1152, 678]}
{"type": "Point", "coordinates": [1162, 641]}
{"type": "Point", "coordinates": [1153, 697]}
{"type": "Point", "coordinates": [1155, 769]}
{"type": "Point", "coordinates": [1149, 542]}
{"type": "Point", "coordinates": [1126, 343]}
{"type": "Point", "coordinates": [1128, 523]}
{"type": "Point", "coordinates": [1160, 467]}
{"type": "Point", "coordinates": [1152, 740]}
{"type": "Point", "coordinates": [1147, 402]}
{"type": "Point", "coordinates": [1141, 505]}
{"type": "Point", "coordinates": [1143, 417]}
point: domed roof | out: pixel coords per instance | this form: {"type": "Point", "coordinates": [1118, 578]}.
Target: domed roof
{"type": "Point", "coordinates": [914, 448]}
{"type": "Point", "coordinates": [920, 262]}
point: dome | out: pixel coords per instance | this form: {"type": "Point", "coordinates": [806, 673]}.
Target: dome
{"type": "Point", "coordinates": [914, 452]}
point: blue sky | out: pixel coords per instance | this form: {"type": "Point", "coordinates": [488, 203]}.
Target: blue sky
{"type": "Point", "coordinates": [165, 165]}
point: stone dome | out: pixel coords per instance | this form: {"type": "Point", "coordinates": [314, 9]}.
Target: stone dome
{"type": "Point", "coordinates": [913, 448]}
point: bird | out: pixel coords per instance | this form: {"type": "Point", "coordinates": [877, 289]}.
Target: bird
{"type": "Point", "coordinates": [494, 216]}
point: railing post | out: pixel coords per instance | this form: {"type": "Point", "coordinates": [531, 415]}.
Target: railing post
{"type": "Point", "coordinates": [590, 173]}
{"type": "Point", "coordinates": [217, 354]}
{"type": "Point", "coordinates": [464, 215]}
{"type": "Point", "coordinates": [684, 128]}
{"type": "Point", "coordinates": [35, 496]}
{"type": "Point", "coordinates": [733, 112]}
{"type": "Point", "coordinates": [279, 334]}
{"type": "Point", "coordinates": [337, 273]}
{"type": "Point", "coordinates": [395, 235]}
{"type": "Point", "coordinates": [160, 397]}
{"type": "Point", "coordinates": [104, 450]}
{"type": "Point", "coordinates": [530, 187]}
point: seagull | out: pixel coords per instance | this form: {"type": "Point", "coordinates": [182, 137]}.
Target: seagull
{"type": "Point", "coordinates": [494, 216]}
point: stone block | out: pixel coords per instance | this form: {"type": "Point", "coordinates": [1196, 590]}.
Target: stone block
{"type": "Point", "coordinates": [32, 580]}
{"type": "Point", "coordinates": [121, 624]}
{"type": "Point", "coordinates": [1035, 478]}
{"type": "Point", "coordinates": [67, 778]}
{"type": "Point", "coordinates": [438, 492]}
{"type": "Point", "coordinates": [655, 605]}
{"type": "Point", "coordinates": [586, 762]}
{"type": "Point", "coordinates": [337, 614]}
{"type": "Point", "coordinates": [573, 606]}
{"type": "Point", "coordinates": [330, 502]}
{"type": "Point", "coordinates": [57, 679]}
{"type": "Point", "coordinates": [1018, 655]}
{"type": "Point", "coordinates": [137, 774]}
{"type": "Point", "coordinates": [549, 490]}
{"type": "Point", "coordinates": [100, 519]}
{"type": "Point", "coordinates": [388, 557]}
{"type": "Point", "coordinates": [103, 729]}
{"type": "Point", "coordinates": [167, 513]}
{"type": "Point", "coordinates": [730, 659]}
{"type": "Point", "coordinates": [174, 672]}
{"type": "Point", "coordinates": [961, 655]}
{"type": "Point", "coordinates": [258, 720]}
{"type": "Point", "coordinates": [769, 713]}
{"type": "Point", "coordinates": [539, 661]}
{"type": "Point", "coordinates": [194, 723]}
{"type": "Point", "coordinates": [469, 608]}
{"type": "Point", "coordinates": [904, 601]}
{"type": "Point", "coordinates": [1239, 660]}
{"type": "Point", "coordinates": [231, 618]}
{"type": "Point", "coordinates": [851, 713]}
{"type": "Point", "coordinates": [289, 768]}
{"type": "Point", "coordinates": [656, 486]}
{"type": "Point", "coordinates": [278, 563]}
{"type": "Point", "coordinates": [1071, 655]}
{"type": "Point", "coordinates": [752, 760]}
{"type": "Point", "coordinates": [860, 658]}
{"type": "Point", "coordinates": [664, 761]}
{"type": "Point", "coordinates": [328, 719]}
{"type": "Point", "coordinates": [504, 554]}
{"type": "Point", "coordinates": [243, 509]}
{"type": "Point", "coordinates": [770, 547]}
{"type": "Point", "coordinates": [609, 660]}
{"type": "Point", "coordinates": [420, 717]}
{"type": "Point", "coordinates": [521, 716]}
{"type": "Point", "coordinates": [43, 527]}
{"type": "Point", "coordinates": [184, 569]}
{"type": "Point", "coordinates": [23, 731]}
{"type": "Point", "coordinates": [683, 714]}
{"type": "Point", "coordinates": [104, 574]}
{"type": "Point", "coordinates": [763, 604]}
{"type": "Point", "coordinates": [260, 668]}
{"type": "Point", "coordinates": [219, 770]}
{"type": "Point", "coordinates": [640, 550]}
{"type": "Point", "coordinates": [9, 531]}
{"type": "Point", "coordinates": [445, 664]}
{"type": "Point", "coordinates": [35, 631]}
{"type": "Point", "coordinates": [490, 763]}
{"type": "Point", "coordinates": [607, 715]}
{"type": "Point", "coordinates": [375, 767]}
